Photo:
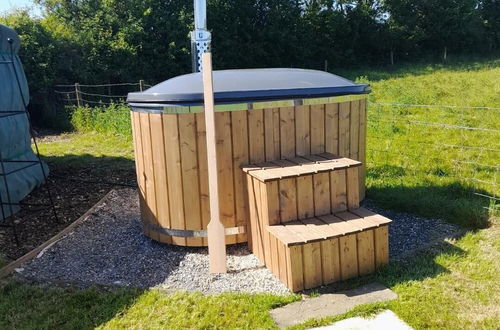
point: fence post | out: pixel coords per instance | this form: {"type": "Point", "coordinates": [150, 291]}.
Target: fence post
{"type": "Point", "coordinates": [78, 95]}
{"type": "Point", "coordinates": [141, 85]}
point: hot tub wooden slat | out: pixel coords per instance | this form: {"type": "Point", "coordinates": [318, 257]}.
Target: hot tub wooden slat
{"type": "Point", "coordinates": [317, 128]}
{"type": "Point", "coordinates": [287, 132]}
{"type": "Point", "coordinates": [362, 147]}
{"type": "Point", "coordinates": [152, 214]}
{"type": "Point", "coordinates": [189, 167]}
{"type": "Point", "coordinates": [161, 184]}
{"type": "Point", "coordinates": [248, 136]}
{"type": "Point", "coordinates": [203, 171]}
{"type": "Point", "coordinates": [332, 128]}
{"type": "Point", "coordinates": [302, 130]}
{"type": "Point", "coordinates": [344, 140]}
{"type": "Point", "coordinates": [271, 133]}
{"type": "Point", "coordinates": [256, 132]}
{"type": "Point", "coordinates": [239, 129]}
{"type": "Point", "coordinates": [139, 162]}
{"type": "Point", "coordinates": [354, 130]}
{"type": "Point", "coordinates": [174, 174]}
{"type": "Point", "coordinates": [225, 170]}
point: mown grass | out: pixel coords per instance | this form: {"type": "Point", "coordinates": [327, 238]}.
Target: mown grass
{"type": "Point", "coordinates": [102, 151]}
{"type": "Point", "coordinates": [452, 286]}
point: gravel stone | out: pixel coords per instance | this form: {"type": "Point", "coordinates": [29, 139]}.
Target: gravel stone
{"type": "Point", "coordinates": [409, 233]}
{"type": "Point", "coordinates": [110, 249]}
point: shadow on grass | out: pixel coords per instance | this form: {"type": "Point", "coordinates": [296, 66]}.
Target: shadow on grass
{"type": "Point", "coordinates": [455, 202]}
{"type": "Point", "coordinates": [90, 162]}
{"type": "Point", "coordinates": [417, 267]}
{"type": "Point", "coordinates": [25, 306]}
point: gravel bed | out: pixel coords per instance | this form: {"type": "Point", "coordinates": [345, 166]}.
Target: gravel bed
{"type": "Point", "coordinates": [409, 233]}
{"type": "Point", "coordinates": [109, 249]}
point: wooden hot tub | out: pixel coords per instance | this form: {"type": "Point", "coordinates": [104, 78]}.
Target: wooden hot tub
{"type": "Point", "coordinates": [261, 115]}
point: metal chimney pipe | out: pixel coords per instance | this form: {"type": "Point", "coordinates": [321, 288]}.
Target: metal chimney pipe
{"type": "Point", "coordinates": [200, 37]}
{"type": "Point", "coordinates": [200, 14]}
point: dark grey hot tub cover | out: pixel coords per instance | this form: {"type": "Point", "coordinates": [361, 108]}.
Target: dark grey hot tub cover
{"type": "Point", "coordinates": [248, 85]}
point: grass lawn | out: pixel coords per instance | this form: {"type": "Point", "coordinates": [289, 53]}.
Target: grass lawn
{"type": "Point", "coordinates": [452, 286]}
{"type": "Point", "coordinates": [455, 286]}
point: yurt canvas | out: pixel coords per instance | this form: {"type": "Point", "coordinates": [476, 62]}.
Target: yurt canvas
{"type": "Point", "coordinates": [19, 171]}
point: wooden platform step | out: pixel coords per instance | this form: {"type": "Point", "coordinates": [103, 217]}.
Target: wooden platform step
{"type": "Point", "coordinates": [298, 166]}
{"type": "Point", "coordinates": [311, 252]}
{"type": "Point", "coordinates": [296, 189]}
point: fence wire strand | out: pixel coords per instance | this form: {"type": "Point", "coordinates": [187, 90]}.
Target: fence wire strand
{"type": "Point", "coordinates": [461, 139]}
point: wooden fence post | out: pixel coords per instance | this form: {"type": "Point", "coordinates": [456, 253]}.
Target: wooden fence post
{"type": "Point", "coordinates": [78, 95]}
{"type": "Point", "coordinates": [141, 85]}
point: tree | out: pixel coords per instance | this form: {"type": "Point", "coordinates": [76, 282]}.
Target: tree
{"type": "Point", "coordinates": [490, 14]}
{"type": "Point", "coordinates": [436, 24]}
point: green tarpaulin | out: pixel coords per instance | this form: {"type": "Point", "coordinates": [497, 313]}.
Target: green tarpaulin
{"type": "Point", "coordinates": [15, 139]}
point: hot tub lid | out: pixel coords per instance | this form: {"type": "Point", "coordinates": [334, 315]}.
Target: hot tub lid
{"type": "Point", "coordinates": [247, 85]}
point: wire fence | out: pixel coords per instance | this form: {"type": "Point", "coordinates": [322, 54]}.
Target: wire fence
{"type": "Point", "coordinates": [438, 143]}
{"type": "Point", "coordinates": [445, 143]}
{"type": "Point", "coordinates": [99, 94]}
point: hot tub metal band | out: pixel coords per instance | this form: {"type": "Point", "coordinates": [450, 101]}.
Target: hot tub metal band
{"type": "Point", "coordinates": [190, 233]}
{"type": "Point", "coordinates": [180, 109]}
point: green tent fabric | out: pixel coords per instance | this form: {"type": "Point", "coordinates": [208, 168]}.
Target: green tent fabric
{"type": "Point", "coordinates": [15, 140]}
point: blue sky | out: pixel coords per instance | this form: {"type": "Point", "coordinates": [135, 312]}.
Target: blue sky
{"type": "Point", "coordinates": [6, 5]}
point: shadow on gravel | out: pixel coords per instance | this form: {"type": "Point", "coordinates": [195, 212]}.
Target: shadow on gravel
{"type": "Point", "coordinates": [76, 182]}
{"type": "Point", "coordinates": [109, 248]}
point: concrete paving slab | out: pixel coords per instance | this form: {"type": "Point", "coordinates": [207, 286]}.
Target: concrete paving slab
{"type": "Point", "coordinates": [382, 321]}
{"type": "Point", "coordinates": [330, 304]}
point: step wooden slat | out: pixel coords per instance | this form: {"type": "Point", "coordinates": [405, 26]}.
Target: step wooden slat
{"type": "Point", "coordinates": [377, 219]}
{"type": "Point", "coordinates": [307, 234]}
{"type": "Point", "coordinates": [331, 157]}
{"type": "Point", "coordinates": [322, 228]}
{"type": "Point", "coordinates": [298, 166]}
{"type": "Point", "coordinates": [286, 236]}
{"type": "Point", "coordinates": [338, 224]}
{"type": "Point", "coordinates": [356, 220]}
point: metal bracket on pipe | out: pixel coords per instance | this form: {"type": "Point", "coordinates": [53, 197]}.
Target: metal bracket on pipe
{"type": "Point", "coordinates": [200, 37]}
{"type": "Point", "coordinates": [200, 43]}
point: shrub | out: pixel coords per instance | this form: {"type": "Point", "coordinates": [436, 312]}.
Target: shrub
{"type": "Point", "coordinates": [112, 119]}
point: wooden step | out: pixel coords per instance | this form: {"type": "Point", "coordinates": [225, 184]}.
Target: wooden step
{"type": "Point", "coordinates": [298, 166]}
{"type": "Point", "coordinates": [296, 189]}
{"type": "Point", "coordinates": [311, 252]}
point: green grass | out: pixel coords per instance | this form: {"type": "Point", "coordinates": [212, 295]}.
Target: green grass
{"type": "Point", "coordinates": [423, 160]}
{"type": "Point", "coordinates": [101, 151]}
{"type": "Point", "coordinates": [111, 119]}
{"type": "Point", "coordinates": [452, 286]}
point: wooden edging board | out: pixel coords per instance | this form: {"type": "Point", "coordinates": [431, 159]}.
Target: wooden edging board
{"type": "Point", "coordinates": [6, 270]}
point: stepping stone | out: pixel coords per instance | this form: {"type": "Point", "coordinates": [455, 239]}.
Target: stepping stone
{"type": "Point", "coordinates": [383, 321]}
{"type": "Point", "coordinates": [330, 304]}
